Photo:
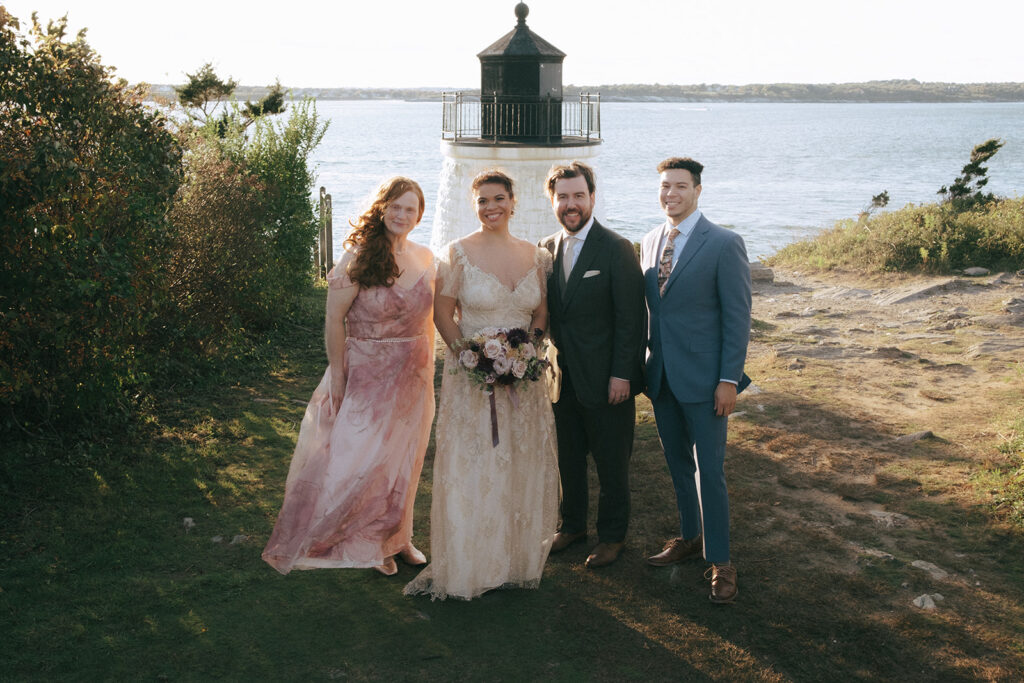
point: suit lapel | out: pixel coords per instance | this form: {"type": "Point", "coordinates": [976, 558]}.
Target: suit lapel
{"type": "Point", "coordinates": [697, 239]}
{"type": "Point", "coordinates": [591, 248]}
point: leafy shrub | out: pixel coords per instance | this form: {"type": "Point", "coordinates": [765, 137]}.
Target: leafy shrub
{"type": "Point", "coordinates": [930, 238]}
{"type": "Point", "coordinates": [87, 173]}
{"type": "Point", "coordinates": [276, 152]}
{"type": "Point", "coordinates": [216, 251]}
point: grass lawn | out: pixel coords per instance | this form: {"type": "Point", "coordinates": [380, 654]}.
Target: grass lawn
{"type": "Point", "coordinates": [101, 578]}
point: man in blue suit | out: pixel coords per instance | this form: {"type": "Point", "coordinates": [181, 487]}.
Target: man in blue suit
{"type": "Point", "coordinates": [697, 285]}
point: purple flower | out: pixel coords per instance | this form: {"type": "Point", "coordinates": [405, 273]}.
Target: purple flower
{"type": "Point", "coordinates": [516, 336]}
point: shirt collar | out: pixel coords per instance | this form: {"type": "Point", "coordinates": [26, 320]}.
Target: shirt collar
{"type": "Point", "coordinates": [580, 234]}
{"type": "Point", "coordinates": [687, 224]}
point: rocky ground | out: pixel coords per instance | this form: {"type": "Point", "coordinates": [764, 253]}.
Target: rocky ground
{"type": "Point", "coordinates": [877, 402]}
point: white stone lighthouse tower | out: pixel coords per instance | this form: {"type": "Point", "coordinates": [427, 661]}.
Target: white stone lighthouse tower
{"type": "Point", "coordinates": [520, 124]}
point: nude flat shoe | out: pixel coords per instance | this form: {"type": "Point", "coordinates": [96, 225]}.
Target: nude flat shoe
{"type": "Point", "coordinates": [412, 556]}
{"type": "Point", "coordinates": [389, 568]}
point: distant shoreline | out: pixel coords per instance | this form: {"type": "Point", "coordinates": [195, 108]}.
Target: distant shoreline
{"type": "Point", "coordinates": [875, 92]}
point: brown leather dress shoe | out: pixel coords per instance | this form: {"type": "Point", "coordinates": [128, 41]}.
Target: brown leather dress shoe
{"type": "Point", "coordinates": [723, 583]}
{"type": "Point", "coordinates": [604, 554]}
{"type": "Point", "coordinates": [563, 540]}
{"type": "Point", "coordinates": [677, 550]}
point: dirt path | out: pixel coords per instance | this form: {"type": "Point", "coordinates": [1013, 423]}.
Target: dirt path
{"type": "Point", "coordinates": [862, 452]}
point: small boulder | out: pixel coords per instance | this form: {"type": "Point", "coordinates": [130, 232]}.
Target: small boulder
{"type": "Point", "coordinates": [916, 436]}
{"type": "Point", "coordinates": [239, 538]}
{"type": "Point", "coordinates": [761, 273]}
{"type": "Point", "coordinates": [976, 272]}
{"type": "Point", "coordinates": [927, 600]}
{"type": "Point", "coordinates": [188, 523]}
{"type": "Point", "coordinates": [934, 571]}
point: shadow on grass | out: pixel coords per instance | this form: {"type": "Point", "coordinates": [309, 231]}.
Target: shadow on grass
{"type": "Point", "coordinates": [106, 582]}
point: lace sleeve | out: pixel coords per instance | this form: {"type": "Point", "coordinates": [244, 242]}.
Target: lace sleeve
{"type": "Point", "coordinates": [449, 271]}
{"type": "Point", "coordinates": [545, 265]}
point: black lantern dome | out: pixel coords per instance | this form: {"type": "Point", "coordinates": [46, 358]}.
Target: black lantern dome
{"type": "Point", "coordinates": [521, 73]}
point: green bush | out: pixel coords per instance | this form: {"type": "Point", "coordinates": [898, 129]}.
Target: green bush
{"type": "Point", "coordinates": [215, 254]}
{"type": "Point", "coordinates": [87, 174]}
{"type": "Point", "coordinates": [931, 238]}
{"type": "Point", "coordinates": [277, 152]}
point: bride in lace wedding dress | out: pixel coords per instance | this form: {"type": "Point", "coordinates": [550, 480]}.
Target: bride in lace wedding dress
{"type": "Point", "coordinates": [494, 507]}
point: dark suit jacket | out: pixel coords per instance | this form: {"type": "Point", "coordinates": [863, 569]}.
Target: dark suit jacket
{"type": "Point", "coordinates": [597, 318]}
{"type": "Point", "coordinates": [700, 326]}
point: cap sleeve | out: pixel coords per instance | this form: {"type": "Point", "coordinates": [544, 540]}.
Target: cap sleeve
{"type": "Point", "coordinates": [545, 265]}
{"type": "Point", "coordinates": [450, 265]}
{"type": "Point", "coordinates": [338, 277]}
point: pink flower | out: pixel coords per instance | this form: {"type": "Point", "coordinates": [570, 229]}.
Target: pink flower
{"type": "Point", "coordinates": [527, 350]}
{"type": "Point", "coordinates": [468, 359]}
{"type": "Point", "coordinates": [519, 368]}
{"type": "Point", "coordinates": [502, 365]}
{"type": "Point", "coordinates": [492, 348]}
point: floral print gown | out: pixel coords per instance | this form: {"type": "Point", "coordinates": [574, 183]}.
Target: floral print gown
{"type": "Point", "coordinates": [352, 482]}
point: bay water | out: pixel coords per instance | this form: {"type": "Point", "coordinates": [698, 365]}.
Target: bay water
{"type": "Point", "coordinates": [773, 172]}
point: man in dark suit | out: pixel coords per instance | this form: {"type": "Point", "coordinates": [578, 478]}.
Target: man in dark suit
{"type": "Point", "coordinates": [697, 285]}
{"type": "Point", "coordinates": [596, 313]}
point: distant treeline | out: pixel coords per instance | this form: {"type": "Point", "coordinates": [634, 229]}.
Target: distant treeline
{"type": "Point", "coordinates": [871, 91]}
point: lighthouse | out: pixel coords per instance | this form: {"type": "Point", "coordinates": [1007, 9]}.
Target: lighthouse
{"type": "Point", "coordinates": [521, 124]}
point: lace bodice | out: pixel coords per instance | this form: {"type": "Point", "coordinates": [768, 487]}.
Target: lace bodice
{"type": "Point", "coordinates": [483, 299]}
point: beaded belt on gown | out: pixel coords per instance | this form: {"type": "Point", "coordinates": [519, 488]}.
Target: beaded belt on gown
{"type": "Point", "coordinates": [387, 340]}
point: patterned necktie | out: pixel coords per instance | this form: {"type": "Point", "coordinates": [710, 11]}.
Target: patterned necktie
{"type": "Point", "coordinates": [665, 265]}
{"type": "Point", "coordinates": [567, 257]}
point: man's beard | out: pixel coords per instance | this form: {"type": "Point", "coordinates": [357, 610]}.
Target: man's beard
{"type": "Point", "coordinates": [584, 217]}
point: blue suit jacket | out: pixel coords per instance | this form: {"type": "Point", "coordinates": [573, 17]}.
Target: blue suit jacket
{"type": "Point", "coordinates": [700, 327]}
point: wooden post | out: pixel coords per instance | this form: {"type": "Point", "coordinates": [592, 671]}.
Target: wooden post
{"type": "Point", "coordinates": [325, 241]}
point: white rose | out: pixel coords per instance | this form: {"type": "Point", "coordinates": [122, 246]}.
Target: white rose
{"type": "Point", "coordinates": [527, 350]}
{"type": "Point", "coordinates": [468, 359]}
{"type": "Point", "coordinates": [492, 348]}
{"type": "Point", "coordinates": [519, 368]}
{"type": "Point", "coordinates": [502, 365]}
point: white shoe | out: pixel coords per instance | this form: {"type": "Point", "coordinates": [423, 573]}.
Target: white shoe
{"type": "Point", "coordinates": [389, 568]}
{"type": "Point", "coordinates": [411, 555]}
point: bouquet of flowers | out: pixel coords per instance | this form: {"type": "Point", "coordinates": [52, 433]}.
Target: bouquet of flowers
{"type": "Point", "coordinates": [502, 357]}
{"type": "Point", "coordinates": [496, 356]}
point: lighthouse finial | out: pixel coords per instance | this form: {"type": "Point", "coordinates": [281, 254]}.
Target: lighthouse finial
{"type": "Point", "coordinates": [521, 12]}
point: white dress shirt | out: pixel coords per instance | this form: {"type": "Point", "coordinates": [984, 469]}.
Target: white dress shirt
{"type": "Point", "coordinates": [581, 235]}
{"type": "Point", "coordinates": [685, 227]}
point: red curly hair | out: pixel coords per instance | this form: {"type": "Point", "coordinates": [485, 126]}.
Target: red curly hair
{"type": "Point", "coordinates": [374, 264]}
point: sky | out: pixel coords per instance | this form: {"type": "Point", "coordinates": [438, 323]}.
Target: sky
{"type": "Point", "coordinates": [414, 43]}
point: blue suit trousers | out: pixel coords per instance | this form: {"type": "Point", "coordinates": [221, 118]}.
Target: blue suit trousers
{"type": "Point", "coordinates": [693, 438]}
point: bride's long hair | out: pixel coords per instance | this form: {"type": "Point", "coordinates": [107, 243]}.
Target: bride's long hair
{"type": "Point", "coordinates": [374, 263]}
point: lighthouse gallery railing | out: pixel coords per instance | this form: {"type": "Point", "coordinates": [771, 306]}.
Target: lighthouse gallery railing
{"type": "Point", "coordinates": [471, 117]}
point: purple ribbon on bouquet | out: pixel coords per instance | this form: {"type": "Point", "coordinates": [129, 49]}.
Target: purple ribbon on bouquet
{"type": "Point", "coordinates": [494, 410]}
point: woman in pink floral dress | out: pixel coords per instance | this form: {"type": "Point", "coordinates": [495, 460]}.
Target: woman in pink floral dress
{"type": "Point", "coordinates": [352, 481]}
